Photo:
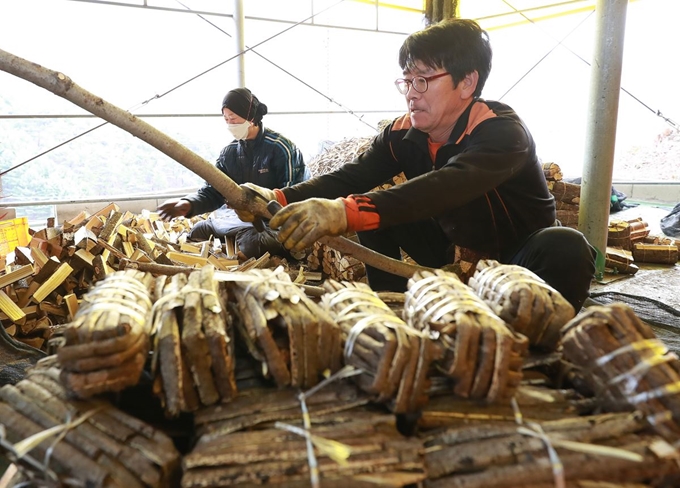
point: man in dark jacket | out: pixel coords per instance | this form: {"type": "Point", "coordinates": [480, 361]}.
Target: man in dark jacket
{"type": "Point", "coordinates": [475, 185]}
{"type": "Point", "coordinates": [258, 155]}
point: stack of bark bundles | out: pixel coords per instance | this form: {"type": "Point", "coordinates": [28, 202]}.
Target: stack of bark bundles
{"type": "Point", "coordinates": [394, 358]}
{"type": "Point", "coordinates": [295, 340]}
{"type": "Point", "coordinates": [445, 410]}
{"type": "Point", "coordinates": [567, 195]}
{"type": "Point", "coordinates": [104, 349]}
{"type": "Point", "coordinates": [626, 233]}
{"type": "Point", "coordinates": [656, 252]}
{"type": "Point", "coordinates": [256, 406]}
{"type": "Point", "coordinates": [619, 358]}
{"type": "Point", "coordinates": [597, 451]}
{"type": "Point", "coordinates": [524, 301]}
{"type": "Point", "coordinates": [260, 439]}
{"type": "Point", "coordinates": [193, 361]}
{"type": "Point", "coordinates": [98, 445]}
{"type": "Point", "coordinates": [481, 353]}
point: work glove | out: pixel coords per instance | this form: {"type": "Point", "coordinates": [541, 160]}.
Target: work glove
{"type": "Point", "coordinates": [267, 194]}
{"type": "Point", "coordinates": [174, 207]}
{"type": "Point", "coordinates": [301, 224]}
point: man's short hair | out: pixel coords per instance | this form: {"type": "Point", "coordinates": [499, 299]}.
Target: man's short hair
{"type": "Point", "coordinates": [460, 46]}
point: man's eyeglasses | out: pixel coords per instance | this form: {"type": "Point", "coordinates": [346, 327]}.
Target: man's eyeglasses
{"type": "Point", "coordinates": [419, 83]}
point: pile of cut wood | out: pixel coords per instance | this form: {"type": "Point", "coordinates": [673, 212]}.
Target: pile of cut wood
{"type": "Point", "coordinates": [567, 195]}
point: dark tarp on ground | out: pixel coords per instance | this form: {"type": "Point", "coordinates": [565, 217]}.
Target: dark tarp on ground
{"type": "Point", "coordinates": [663, 319]}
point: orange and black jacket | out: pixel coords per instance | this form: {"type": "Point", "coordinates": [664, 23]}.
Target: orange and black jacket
{"type": "Point", "coordinates": [485, 187]}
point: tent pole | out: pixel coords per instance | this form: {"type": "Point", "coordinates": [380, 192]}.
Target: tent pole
{"type": "Point", "coordinates": [598, 164]}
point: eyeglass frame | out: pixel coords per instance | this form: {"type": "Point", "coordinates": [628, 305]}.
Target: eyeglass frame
{"type": "Point", "coordinates": [409, 83]}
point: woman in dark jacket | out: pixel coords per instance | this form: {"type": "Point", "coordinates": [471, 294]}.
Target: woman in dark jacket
{"type": "Point", "coordinates": [257, 155]}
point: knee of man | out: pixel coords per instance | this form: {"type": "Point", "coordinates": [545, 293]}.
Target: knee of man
{"type": "Point", "coordinates": [201, 231]}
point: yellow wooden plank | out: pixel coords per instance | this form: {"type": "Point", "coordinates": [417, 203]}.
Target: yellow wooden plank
{"type": "Point", "coordinates": [13, 312]}
{"type": "Point", "coordinates": [189, 259]}
{"type": "Point", "coordinates": [16, 275]}
{"type": "Point", "coordinates": [52, 282]}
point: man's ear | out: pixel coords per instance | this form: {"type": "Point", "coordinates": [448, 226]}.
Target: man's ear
{"type": "Point", "coordinates": [469, 85]}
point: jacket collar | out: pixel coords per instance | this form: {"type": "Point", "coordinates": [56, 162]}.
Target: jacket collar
{"type": "Point", "coordinates": [420, 138]}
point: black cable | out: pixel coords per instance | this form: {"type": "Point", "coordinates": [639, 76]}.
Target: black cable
{"type": "Point", "coordinates": [243, 52]}
{"type": "Point", "coordinates": [559, 43]}
{"type": "Point", "coordinates": [52, 149]}
{"type": "Point", "coordinates": [172, 89]}
{"type": "Point", "coordinates": [346, 109]}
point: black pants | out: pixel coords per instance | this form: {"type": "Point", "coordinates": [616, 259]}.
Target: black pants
{"type": "Point", "coordinates": [250, 242]}
{"type": "Point", "coordinates": [559, 255]}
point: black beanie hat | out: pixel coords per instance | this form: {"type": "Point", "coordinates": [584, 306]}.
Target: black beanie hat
{"type": "Point", "coordinates": [244, 104]}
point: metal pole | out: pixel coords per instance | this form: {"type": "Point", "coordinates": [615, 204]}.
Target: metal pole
{"type": "Point", "coordinates": [239, 38]}
{"type": "Point", "coordinates": [605, 85]}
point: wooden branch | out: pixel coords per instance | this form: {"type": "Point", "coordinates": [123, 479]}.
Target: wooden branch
{"type": "Point", "coordinates": [61, 85]}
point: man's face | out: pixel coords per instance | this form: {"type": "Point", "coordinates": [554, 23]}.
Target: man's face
{"type": "Point", "coordinates": [231, 117]}
{"type": "Point", "coordinates": [432, 110]}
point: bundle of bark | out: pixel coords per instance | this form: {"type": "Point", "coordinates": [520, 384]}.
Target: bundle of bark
{"type": "Point", "coordinates": [595, 451]}
{"type": "Point", "coordinates": [625, 234]}
{"type": "Point", "coordinates": [80, 442]}
{"type": "Point", "coordinates": [104, 349]}
{"type": "Point", "coordinates": [358, 447]}
{"type": "Point", "coordinates": [567, 195]}
{"type": "Point", "coordinates": [524, 301]}
{"type": "Point", "coordinates": [538, 403]}
{"type": "Point", "coordinates": [295, 340]}
{"type": "Point", "coordinates": [481, 353]}
{"type": "Point", "coordinates": [552, 172]}
{"type": "Point", "coordinates": [619, 260]}
{"type": "Point", "coordinates": [257, 406]}
{"type": "Point", "coordinates": [655, 253]}
{"type": "Point", "coordinates": [193, 360]}
{"type": "Point", "coordinates": [394, 358]}
{"type": "Point", "coordinates": [619, 359]}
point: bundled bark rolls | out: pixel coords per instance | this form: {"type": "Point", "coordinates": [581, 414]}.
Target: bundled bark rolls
{"type": "Point", "coordinates": [295, 339]}
{"type": "Point", "coordinates": [105, 347]}
{"type": "Point", "coordinates": [94, 443]}
{"type": "Point", "coordinates": [481, 353]}
{"type": "Point", "coordinates": [394, 357]}
{"type": "Point", "coordinates": [523, 300]}
{"type": "Point", "coordinates": [193, 362]}
{"type": "Point", "coordinates": [358, 447]}
{"type": "Point", "coordinates": [622, 361]}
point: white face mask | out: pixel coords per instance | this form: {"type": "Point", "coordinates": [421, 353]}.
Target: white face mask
{"type": "Point", "coordinates": [239, 131]}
